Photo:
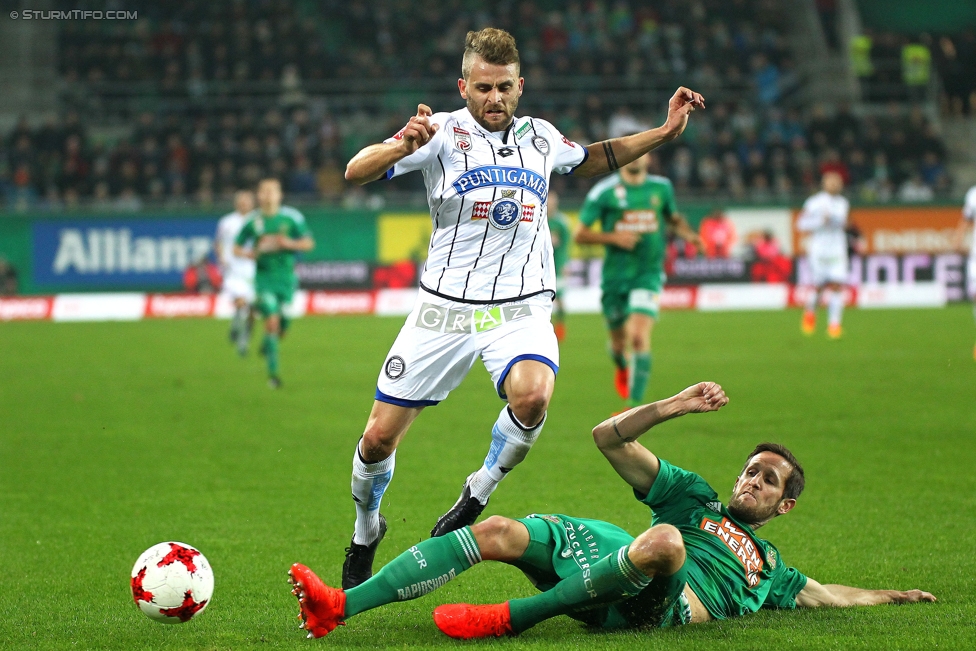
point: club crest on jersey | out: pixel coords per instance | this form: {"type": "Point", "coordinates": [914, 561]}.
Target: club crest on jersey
{"type": "Point", "coordinates": [462, 139]}
{"type": "Point", "coordinates": [504, 213]}
{"type": "Point", "coordinates": [484, 210]}
{"type": "Point", "coordinates": [395, 367]}
{"type": "Point", "coordinates": [541, 144]}
{"type": "Point", "coordinates": [489, 176]}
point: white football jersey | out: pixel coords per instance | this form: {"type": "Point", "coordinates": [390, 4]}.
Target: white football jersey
{"type": "Point", "coordinates": [824, 216]}
{"type": "Point", "coordinates": [969, 212]}
{"type": "Point", "coordinates": [487, 195]}
{"type": "Point", "coordinates": [227, 230]}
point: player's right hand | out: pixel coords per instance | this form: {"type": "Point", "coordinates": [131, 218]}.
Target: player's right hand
{"type": "Point", "coordinates": [702, 397]}
{"type": "Point", "coordinates": [626, 240]}
{"type": "Point", "coordinates": [419, 130]}
{"type": "Point", "coordinates": [269, 243]}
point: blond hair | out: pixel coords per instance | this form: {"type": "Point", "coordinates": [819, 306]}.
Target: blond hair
{"type": "Point", "coordinates": [495, 46]}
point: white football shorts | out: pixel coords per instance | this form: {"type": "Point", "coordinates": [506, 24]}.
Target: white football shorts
{"type": "Point", "coordinates": [825, 270]}
{"type": "Point", "coordinates": [442, 339]}
{"type": "Point", "coordinates": [237, 286]}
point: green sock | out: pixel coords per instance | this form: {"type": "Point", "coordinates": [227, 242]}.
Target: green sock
{"type": "Point", "coordinates": [415, 572]}
{"type": "Point", "coordinates": [618, 358]}
{"type": "Point", "coordinates": [610, 579]}
{"type": "Point", "coordinates": [271, 353]}
{"type": "Point", "coordinates": [640, 376]}
{"type": "Point", "coordinates": [285, 322]}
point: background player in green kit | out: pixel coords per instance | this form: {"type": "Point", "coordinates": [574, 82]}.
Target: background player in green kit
{"type": "Point", "coordinates": [633, 208]}
{"type": "Point", "coordinates": [277, 235]}
{"type": "Point", "coordinates": [561, 239]}
{"type": "Point", "coordinates": [699, 560]}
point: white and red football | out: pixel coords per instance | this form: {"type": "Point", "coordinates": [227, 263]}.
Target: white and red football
{"type": "Point", "coordinates": [172, 582]}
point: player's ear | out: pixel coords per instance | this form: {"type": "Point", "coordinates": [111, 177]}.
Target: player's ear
{"type": "Point", "coordinates": [785, 506]}
{"type": "Point", "coordinates": [463, 89]}
{"type": "Point", "coordinates": [521, 85]}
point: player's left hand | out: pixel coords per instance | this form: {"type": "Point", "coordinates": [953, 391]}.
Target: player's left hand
{"type": "Point", "coordinates": [682, 103]}
{"type": "Point", "coordinates": [702, 397]}
{"type": "Point", "coordinates": [912, 596]}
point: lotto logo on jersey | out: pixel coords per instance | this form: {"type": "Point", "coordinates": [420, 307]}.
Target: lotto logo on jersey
{"type": "Point", "coordinates": [739, 543]}
{"type": "Point", "coordinates": [638, 221]}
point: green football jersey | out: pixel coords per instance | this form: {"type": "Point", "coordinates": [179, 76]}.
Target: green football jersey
{"type": "Point", "coordinates": [640, 208]}
{"type": "Point", "coordinates": [561, 239]}
{"type": "Point", "coordinates": [731, 570]}
{"type": "Point", "coordinates": [274, 270]}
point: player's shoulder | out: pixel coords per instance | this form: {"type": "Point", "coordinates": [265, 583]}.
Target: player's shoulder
{"type": "Point", "coordinates": [657, 179]}
{"type": "Point", "coordinates": [292, 213]}
{"type": "Point", "coordinates": [605, 184]}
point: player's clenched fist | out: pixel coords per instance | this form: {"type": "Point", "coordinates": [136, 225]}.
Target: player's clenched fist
{"type": "Point", "coordinates": [682, 103]}
{"type": "Point", "coordinates": [419, 130]}
{"type": "Point", "coordinates": [702, 397]}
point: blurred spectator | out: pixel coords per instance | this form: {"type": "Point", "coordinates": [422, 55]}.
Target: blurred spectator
{"type": "Point", "coordinates": [718, 234]}
{"type": "Point", "coordinates": [914, 190]}
{"type": "Point", "coordinates": [8, 278]}
{"type": "Point", "coordinates": [770, 265]}
{"type": "Point", "coordinates": [203, 276]}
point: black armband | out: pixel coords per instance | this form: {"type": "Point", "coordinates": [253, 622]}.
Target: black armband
{"type": "Point", "coordinates": [611, 159]}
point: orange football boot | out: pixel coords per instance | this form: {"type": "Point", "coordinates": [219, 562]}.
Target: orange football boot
{"type": "Point", "coordinates": [809, 323]}
{"type": "Point", "coordinates": [560, 329]}
{"type": "Point", "coordinates": [834, 331]}
{"type": "Point", "coordinates": [321, 608]}
{"type": "Point", "coordinates": [621, 382]}
{"type": "Point", "coordinates": [467, 622]}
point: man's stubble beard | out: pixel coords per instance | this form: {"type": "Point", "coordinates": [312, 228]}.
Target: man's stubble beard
{"type": "Point", "coordinates": [752, 516]}
{"type": "Point", "coordinates": [481, 120]}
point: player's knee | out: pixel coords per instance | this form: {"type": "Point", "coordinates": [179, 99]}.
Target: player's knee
{"type": "Point", "coordinates": [530, 406]}
{"type": "Point", "coordinates": [378, 442]}
{"type": "Point", "coordinates": [659, 550]}
{"type": "Point", "coordinates": [499, 538]}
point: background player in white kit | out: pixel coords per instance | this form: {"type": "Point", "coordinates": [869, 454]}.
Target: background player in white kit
{"type": "Point", "coordinates": [824, 216]}
{"type": "Point", "coordinates": [487, 286]}
{"type": "Point", "coordinates": [238, 272]}
{"type": "Point", "coordinates": [966, 232]}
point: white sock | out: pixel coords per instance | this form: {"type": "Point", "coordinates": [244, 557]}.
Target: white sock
{"type": "Point", "coordinates": [510, 442]}
{"type": "Point", "coordinates": [835, 307]}
{"type": "Point", "coordinates": [369, 482]}
{"type": "Point", "coordinates": [812, 300]}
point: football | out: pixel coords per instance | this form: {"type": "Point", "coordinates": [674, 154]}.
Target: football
{"type": "Point", "coordinates": [172, 582]}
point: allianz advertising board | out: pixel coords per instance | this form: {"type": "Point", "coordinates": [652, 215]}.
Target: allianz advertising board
{"type": "Point", "coordinates": [129, 253]}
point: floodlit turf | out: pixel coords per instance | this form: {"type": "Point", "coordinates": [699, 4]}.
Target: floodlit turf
{"type": "Point", "coordinates": [116, 436]}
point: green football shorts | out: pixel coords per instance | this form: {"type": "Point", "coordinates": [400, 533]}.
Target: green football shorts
{"type": "Point", "coordinates": [642, 297]}
{"type": "Point", "coordinates": [270, 301]}
{"type": "Point", "coordinates": [560, 546]}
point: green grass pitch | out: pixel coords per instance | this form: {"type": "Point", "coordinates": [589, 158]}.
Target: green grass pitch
{"type": "Point", "coordinates": [115, 436]}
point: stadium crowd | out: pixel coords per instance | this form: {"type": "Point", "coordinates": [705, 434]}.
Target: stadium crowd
{"type": "Point", "coordinates": [752, 143]}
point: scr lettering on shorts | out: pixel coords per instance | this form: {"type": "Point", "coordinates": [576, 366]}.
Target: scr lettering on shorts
{"type": "Point", "coordinates": [463, 322]}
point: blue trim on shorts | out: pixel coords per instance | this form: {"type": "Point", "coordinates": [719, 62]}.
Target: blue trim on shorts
{"type": "Point", "coordinates": [389, 173]}
{"type": "Point", "coordinates": [515, 360]}
{"type": "Point", "coordinates": [403, 402]}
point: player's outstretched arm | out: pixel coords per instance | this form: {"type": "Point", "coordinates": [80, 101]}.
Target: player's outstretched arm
{"type": "Point", "coordinates": [617, 436]}
{"type": "Point", "coordinates": [608, 155]}
{"type": "Point", "coordinates": [372, 162]}
{"type": "Point", "coordinates": [815, 595]}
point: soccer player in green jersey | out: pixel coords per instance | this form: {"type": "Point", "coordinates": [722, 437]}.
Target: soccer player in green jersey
{"type": "Point", "coordinates": [277, 234]}
{"type": "Point", "coordinates": [700, 559]}
{"type": "Point", "coordinates": [561, 239]}
{"type": "Point", "coordinates": [633, 208]}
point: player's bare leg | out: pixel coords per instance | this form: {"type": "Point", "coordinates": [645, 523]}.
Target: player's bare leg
{"type": "Point", "coordinates": [373, 464]}
{"type": "Point", "coordinates": [618, 352]}
{"type": "Point", "coordinates": [835, 309]}
{"type": "Point", "coordinates": [639, 327]}
{"type": "Point", "coordinates": [529, 387]}
{"type": "Point", "coordinates": [241, 324]}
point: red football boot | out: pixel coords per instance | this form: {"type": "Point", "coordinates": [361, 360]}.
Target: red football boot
{"type": "Point", "coordinates": [467, 622]}
{"type": "Point", "coordinates": [321, 608]}
{"type": "Point", "coordinates": [560, 329]}
{"type": "Point", "coordinates": [621, 382]}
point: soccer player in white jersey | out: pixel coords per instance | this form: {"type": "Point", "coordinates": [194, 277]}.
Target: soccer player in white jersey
{"type": "Point", "coordinates": [966, 231]}
{"type": "Point", "coordinates": [487, 287]}
{"type": "Point", "coordinates": [824, 216]}
{"type": "Point", "coordinates": [238, 272]}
